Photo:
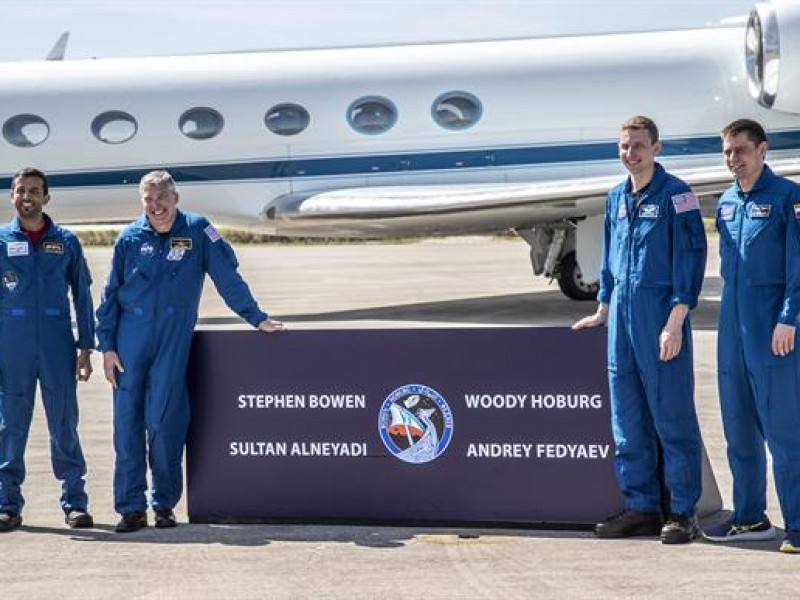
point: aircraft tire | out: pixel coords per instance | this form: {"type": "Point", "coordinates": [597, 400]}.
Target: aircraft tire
{"type": "Point", "coordinates": [570, 280]}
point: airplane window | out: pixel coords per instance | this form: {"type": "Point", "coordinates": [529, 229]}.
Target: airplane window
{"type": "Point", "coordinates": [114, 127]}
{"type": "Point", "coordinates": [287, 119]}
{"type": "Point", "coordinates": [456, 110]}
{"type": "Point", "coordinates": [372, 116]}
{"type": "Point", "coordinates": [201, 123]}
{"type": "Point", "coordinates": [26, 131]}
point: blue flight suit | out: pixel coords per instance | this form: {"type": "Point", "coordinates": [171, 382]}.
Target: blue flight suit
{"type": "Point", "coordinates": [147, 315]}
{"type": "Point", "coordinates": [653, 258]}
{"type": "Point", "coordinates": [36, 343]}
{"type": "Point", "coordinates": [759, 244]}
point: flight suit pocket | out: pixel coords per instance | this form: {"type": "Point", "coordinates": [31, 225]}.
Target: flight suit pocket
{"type": "Point", "coordinates": [753, 229]}
{"type": "Point", "coordinates": [644, 229]}
{"type": "Point", "coordinates": [783, 399]}
{"type": "Point", "coordinates": [695, 234]}
{"type": "Point", "coordinates": [136, 283]}
{"type": "Point", "coordinates": [56, 313]}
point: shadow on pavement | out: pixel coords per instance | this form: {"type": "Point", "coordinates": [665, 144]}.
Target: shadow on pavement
{"type": "Point", "coordinates": [262, 535]}
{"type": "Point", "coordinates": [541, 309]}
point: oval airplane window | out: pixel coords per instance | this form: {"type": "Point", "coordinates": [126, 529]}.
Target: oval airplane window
{"type": "Point", "coordinates": [372, 116]}
{"type": "Point", "coordinates": [26, 131]}
{"type": "Point", "coordinates": [201, 123]}
{"type": "Point", "coordinates": [114, 127]}
{"type": "Point", "coordinates": [456, 110]}
{"type": "Point", "coordinates": [287, 119]}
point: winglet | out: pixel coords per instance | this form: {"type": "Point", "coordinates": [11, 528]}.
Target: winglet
{"type": "Point", "coordinates": [59, 48]}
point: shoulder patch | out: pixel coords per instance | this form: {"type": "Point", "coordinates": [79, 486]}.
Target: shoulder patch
{"type": "Point", "coordinates": [212, 233]}
{"type": "Point", "coordinates": [685, 202]}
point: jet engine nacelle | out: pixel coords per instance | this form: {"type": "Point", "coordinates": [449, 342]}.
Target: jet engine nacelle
{"type": "Point", "coordinates": [772, 50]}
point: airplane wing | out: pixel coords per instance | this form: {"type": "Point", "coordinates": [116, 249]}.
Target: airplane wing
{"type": "Point", "coordinates": [404, 209]}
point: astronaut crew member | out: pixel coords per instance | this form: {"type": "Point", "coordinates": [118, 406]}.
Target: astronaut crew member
{"type": "Point", "coordinates": [654, 259]}
{"type": "Point", "coordinates": [758, 219]}
{"type": "Point", "coordinates": [40, 262]}
{"type": "Point", "coordinates": [145, 324]}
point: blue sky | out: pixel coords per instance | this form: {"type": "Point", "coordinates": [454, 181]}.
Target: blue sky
{"type": "Point", "coordinates": [149, 27]}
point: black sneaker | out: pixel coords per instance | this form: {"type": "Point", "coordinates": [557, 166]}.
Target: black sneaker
{"type": "Point", "coordinates": [79, 519]}
{"type": "Point", "coordinates": [679, 530]}
{"type": "Point", "coordinates": [132, 521]}
{"type": "Point", "coordinates": [733, 532]}
{"type": "Point", "coordinates": [165, 518]}
{"type": "Point", "coordinates": [10, 521]}
{"type": "Point", "coordinates": [629, 523]}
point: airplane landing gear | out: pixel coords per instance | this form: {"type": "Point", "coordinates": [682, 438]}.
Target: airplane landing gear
{"type": "Point", "coordinates": [570, 280]}
{"type": "Point", "coordinates": [553, 255]}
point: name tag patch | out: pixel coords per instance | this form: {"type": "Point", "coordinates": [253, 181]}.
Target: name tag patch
{"type": "Point", "coordinates": [17, 248]}
{"type": "Point", "coordinates": [648, 211]}
{"type": "Point", "coordinates": [180, 243]}
{"type": "Point", "coordinates": [760, 211]}
{"type": "Point", "coordinates": [53, 247]}
{"type": "Point", "coordinates": [176, 254]}
{"type": "Point", "coordinates": [727, 212]}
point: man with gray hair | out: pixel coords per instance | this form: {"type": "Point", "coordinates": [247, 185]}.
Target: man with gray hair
{"type": "Point", "coordinates": [145, 323]}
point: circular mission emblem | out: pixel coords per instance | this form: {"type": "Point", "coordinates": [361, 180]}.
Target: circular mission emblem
{"type": "Point", "coordinates": [415, 423]}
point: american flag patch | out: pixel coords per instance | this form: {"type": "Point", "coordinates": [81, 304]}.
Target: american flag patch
{"type": "Point", "coordinates": [212, 233]}
{"type": "Point", "coordinates": [797, 211]}
{"type": "Point", "coordinates": [685, 202]}
{"type": "Point", "coordinates": [727, 212]}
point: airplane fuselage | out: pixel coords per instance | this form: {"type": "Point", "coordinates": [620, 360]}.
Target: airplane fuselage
{"type": "Point", "coordinates": [549, 109]}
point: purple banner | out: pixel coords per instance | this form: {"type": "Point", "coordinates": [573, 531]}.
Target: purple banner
{"type": "Point", "coordinates": [489, 425]}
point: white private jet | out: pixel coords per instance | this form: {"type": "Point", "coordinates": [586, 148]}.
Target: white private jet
{"type": "Point", "coordinates": [405, 140]}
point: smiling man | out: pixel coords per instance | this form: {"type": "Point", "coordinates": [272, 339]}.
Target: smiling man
{"type": "Point", "coordinates": [145, 323]}
{"type": "Point", "coordinates": [653, 262]}
{"type": "Point", "coordinates": [42, 263]}
{"type": "Point", "coordinates": [758, 219]}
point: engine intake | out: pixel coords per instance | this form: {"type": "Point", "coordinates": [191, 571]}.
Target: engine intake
{"type": "Point", "coordinates": [772, 54]}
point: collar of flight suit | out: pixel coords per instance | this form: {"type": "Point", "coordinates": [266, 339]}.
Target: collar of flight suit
{"type": "Point", "coordinates": [653, 186]}
{"type": "Point", "coordinates": [764, 180]}
{"type": "Point", "coordinates": [16, 225]}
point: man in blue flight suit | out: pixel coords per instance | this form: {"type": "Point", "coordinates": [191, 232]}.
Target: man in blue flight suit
{"type": "Point", "coordinates": [758, 220]}
{"type": "Point", "coordinates": [145, 323]}
{"type": "Point", "coordinates": [40, 263]}
{"type": "Point", "coordinates": [654, 258]}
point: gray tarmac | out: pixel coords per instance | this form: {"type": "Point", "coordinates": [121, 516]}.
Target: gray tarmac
{"type": "Point", "coordinates": [432, 283]}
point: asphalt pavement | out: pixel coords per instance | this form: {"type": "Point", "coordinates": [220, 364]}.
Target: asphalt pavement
{"type": "Point", "coordinates": [431, 283]}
